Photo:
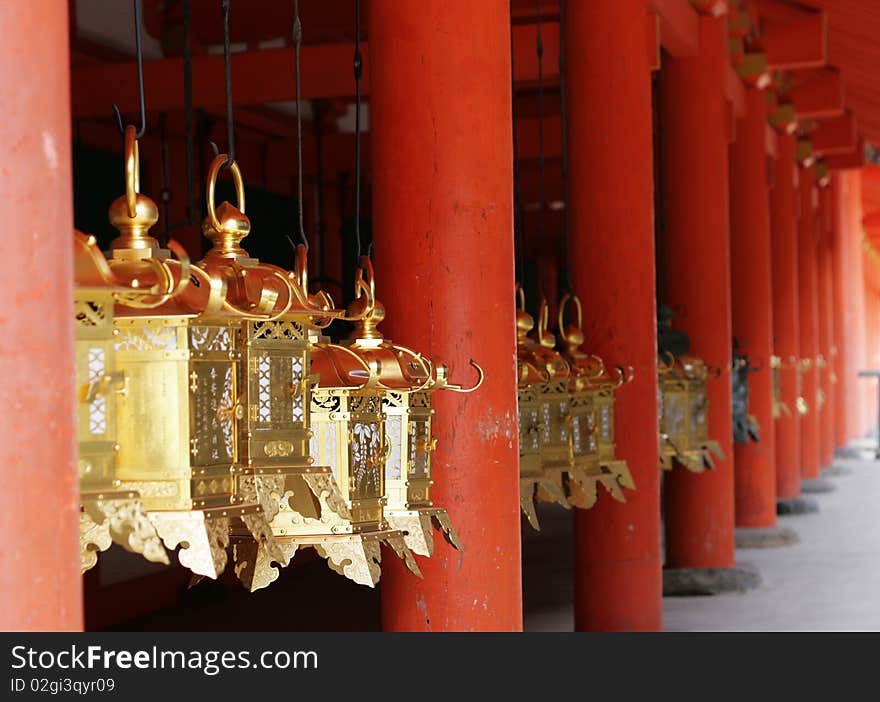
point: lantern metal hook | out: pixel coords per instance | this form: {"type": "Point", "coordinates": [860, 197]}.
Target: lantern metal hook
{"type": "Point", "coordinates": [463, 390]}
{"type": "Point", "coordinates": [140, 72]}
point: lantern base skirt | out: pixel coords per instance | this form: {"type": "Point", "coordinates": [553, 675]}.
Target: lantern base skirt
{"type": "Point", "coordinates": [695, 460]}
{"type": "Point", "coordinates": [765, 537]}
{"type": "Point", "coordinates": [204, 535]}
{"type": "Point", "coordinates": [574, 486]}
{"type": "Point", "coordinates": [418, 525]}
{"type": "Point", "coordinates": [689, 582]}
{"type": "Point", "coordinates": [116, 517]}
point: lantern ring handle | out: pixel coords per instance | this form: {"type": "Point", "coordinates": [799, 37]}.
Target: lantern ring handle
{"type": "Point", "coordinates": [219, 161]}
{"type": "Point", "coordinates": [132, 170]}
{"type": "Point", "coordinates": [575, 300]}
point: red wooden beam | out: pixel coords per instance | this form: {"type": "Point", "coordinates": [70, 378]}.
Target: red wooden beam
{"type": "Point", "coordinates": [266, 76]}
{"type": "Point", "coordinates": [820, 95]}
{"type": "Point", "coordinates": [836, 136]}
{"type": "Point", "coordinates": [794, 37]}
{"type": "Point", "coordinates": [257, 77]}
{"type": "Point", "coordinates": [855, 159]}
{"type": "Point", "coordinates": [679, 26]}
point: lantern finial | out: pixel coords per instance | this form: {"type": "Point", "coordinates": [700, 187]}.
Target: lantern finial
{"type": "Point", "coordinates": [133, 214]}
{"type": "Point", "coordinates": [226, 225]}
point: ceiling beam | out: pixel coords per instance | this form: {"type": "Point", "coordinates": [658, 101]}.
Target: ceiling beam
{"type": "Point", "coordinates": [794, 37]}
{"type": "Point", "coordinates": [838, 135]}
{"type": "Point", "coordinates": [819, 96]}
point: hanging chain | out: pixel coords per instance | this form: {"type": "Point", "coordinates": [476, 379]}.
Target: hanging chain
{"type": "Point", "coordinates": [358, 72]}
{"type": "Point", "coordinates": [542, 188]}
{"type": "Point", "coordinates": [566, 269]}
{"type": "Point", "coordinates": [188, 115]}
{"type": "Point", "coordinates": [139, 53]}
{"type": "Point", "coordinates": [519, 217]}
{"type": "Point", "coordinates": [297, 44]}
{"type": "Point", "coordinates": [165, 193]}
{"type": "Point", "coordinates": [227, 62]}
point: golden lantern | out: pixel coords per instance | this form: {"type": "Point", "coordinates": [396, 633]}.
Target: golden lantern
{"type": "Point", "coordinates": [683, 415]}
{"type": "Point", "coordinates": [592, 417]}
{"type": "Point", "coordinates": [779, 407]}
{"type": "Point", "coordinates": [802, 366]}
{"type": "Point", "coordinates": [178, 423]}
{"type": "Point", "coordinates": [266, 312]}
{"type": "Point", "coordinates": [107, 514]}
{"type": "Point", "coordinates": [408, 380]}
{"type": "Point", "coordinates": [537, 365]}
{"type": "Point", "coordinates": [821, 365]}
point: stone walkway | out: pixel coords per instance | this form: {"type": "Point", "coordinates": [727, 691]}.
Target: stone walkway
{"type": "Point", "coordinates": [830, 581]}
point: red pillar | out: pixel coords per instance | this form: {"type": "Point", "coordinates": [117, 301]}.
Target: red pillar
{"type": "Point", "coordinates": [864, 390]}
{"type": "Point", "coordinates": [618, 583]}
{"type": "Point", "coordinates": [39, 515]}
{"type": "Point", "coordinates": [826, 329]}
{"type": "Point", "coordinates": [843, 310]}
{"type": "Point", "coordinates": [786, 322]}
{"type": "Point", "coordinates": [808, 300]}
{"type": "Point", "coordinates": [700, 508]}
{"type": "Point", "coordinates": [442, 143]}
{"type": "Point", "coordinates": [750, 267]}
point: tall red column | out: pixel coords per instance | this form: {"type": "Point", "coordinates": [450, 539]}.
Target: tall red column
{"type": "Point", "coordinates": [808, 300]}
{"type": "Point", "coordinates": [750, 266]}
{"type": "Point", "coordinates": [786, 321]}
{"type": "Point", "coordinates": [700, 508]}
{"type": "Point", "coordinates": [826, 330]}
{"type": "Point", "coordinates": [618, 584]}
{"type": "Point", "coordinates": [39, 507]}
{"type": "Point", "coordinates": [843, 390]}
{"type": "Point", "coordinates": [441, 121]}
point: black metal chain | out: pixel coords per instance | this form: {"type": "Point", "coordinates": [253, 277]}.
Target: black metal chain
{"type": "Point", "coordinates": [566, 268]}
{"type": "Point", "coordinates": [358, 74]}
{"type": "Point", "coordinates": [318, 120]}
{"type": "Point", "coordinates": [165, 194]}
{"type": "Point", "coordinates": [519, 217]}
{"type": "Point", "coordinates": [297, 44]}
{"type": "Point", "coordinates": [227, 61]}
{"type": "Point", "coordinates": [188, 115]}
{"type": "Point", "coordinates": [139, 53]}
{"type": "Point", "coordinates": [539, 50]}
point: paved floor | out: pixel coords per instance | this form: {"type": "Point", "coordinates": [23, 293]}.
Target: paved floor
{"type": "Point", "coordinates": [830, 581]}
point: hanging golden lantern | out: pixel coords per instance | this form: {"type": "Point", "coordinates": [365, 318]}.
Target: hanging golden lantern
{"type": "Point", "coordinates": [107, 514]}
{"type": "Point", "coordinates": [537, 366]}
{"type": "Point", "coordinates": [262, 319]}
{"type": "Point", "coordinates": [408, 380]}
{"type": "Point", "coordinates": [591, 390]}
{"type": "Point", "coordinates": [684, 415]}
{"type": "Point", "coordinates": [802, 367]}
{"type": "Point", "coordinates": [821, 365]}
{"type": "Point", "coordinates": [179, 422]}
{"type": "Point", "coordinates": [780, 408]}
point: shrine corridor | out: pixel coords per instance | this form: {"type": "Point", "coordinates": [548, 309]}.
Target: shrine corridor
{"type": "Point", "coordinates": [828, 582]}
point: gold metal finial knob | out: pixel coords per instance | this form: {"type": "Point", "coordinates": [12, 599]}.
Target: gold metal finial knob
{"type": "Point", "coordinates": [133, 214]}
{"type": "Point", "coordinates": [226, 225]}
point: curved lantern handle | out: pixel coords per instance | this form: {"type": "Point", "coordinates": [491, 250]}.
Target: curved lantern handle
{"type": "Point", "coordinates": [213, 171]}
{"type": "Point", "coordinates": [625, 375]}
{"type": "Point", "coordinates": [132, 170]}
{"type": "Point", "coordinates": [569, 299]}
{"type": "Point", "coordinates": [481, 376]}
{"type": "Point", "coordinates": [165, 289]}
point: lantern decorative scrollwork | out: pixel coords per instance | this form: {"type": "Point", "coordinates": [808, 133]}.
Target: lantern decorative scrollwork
{"type": "Point", "coordinates": [591, 390]}
{"type": "Point", "coordinates": [107, 513]}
